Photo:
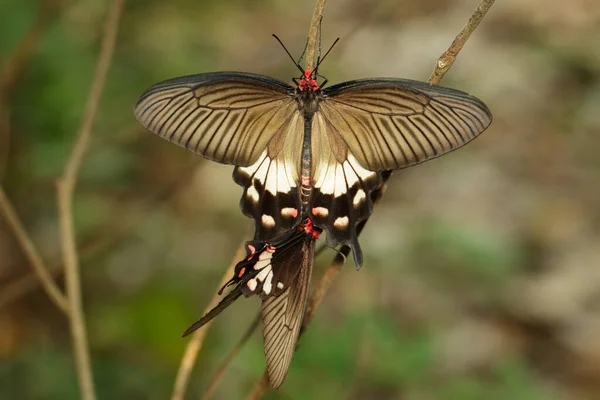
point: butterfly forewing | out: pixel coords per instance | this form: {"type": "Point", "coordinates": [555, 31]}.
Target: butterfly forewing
{"type": "Point", "coordinates": [227, 117]}
{"type": "Point", "coordinates": [282, 315]}
{"type": "Point", "coordinates": [390, 124]}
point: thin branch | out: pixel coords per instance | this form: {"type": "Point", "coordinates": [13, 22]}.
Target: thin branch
{"type": "Point", "coordinates": [41, 270]}
{"type": "Point", "coordinates": [65, 190]}
{"type": "Point", "coordinates": [446, 60]}
{"type": "Point", "coordinates": [195, 344]}
{"type": "Point", "coordinates": [313, 34]}
{"type": "Point", "coordinates": [212, 386]}
{"type": "Point", "coordinates": [260, 388]}
{"type": "Point", "coordinates": [102, 239]}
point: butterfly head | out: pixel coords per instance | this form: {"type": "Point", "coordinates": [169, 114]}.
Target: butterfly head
{"type": "Point", "coordinates": [308, 83]}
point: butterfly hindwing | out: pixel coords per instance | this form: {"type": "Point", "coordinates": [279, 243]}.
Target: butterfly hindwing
{"type": "Point", "coordinates": [271, 184]}
{"type": "Point", "coordinates": [341, 194]}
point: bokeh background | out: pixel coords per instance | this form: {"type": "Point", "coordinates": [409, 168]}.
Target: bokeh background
{"type": "Point", "coordinates": [482, 268]}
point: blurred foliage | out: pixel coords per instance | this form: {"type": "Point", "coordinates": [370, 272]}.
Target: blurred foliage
{"type": "Point", "coordinates": [481, 276]}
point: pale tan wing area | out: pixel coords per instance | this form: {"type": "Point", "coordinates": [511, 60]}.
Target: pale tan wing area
{"type": "Point", "coordinates": [390, 124]}
{"type": "Point", "coordinates": [282, 319]}
{"type": "Point", "coordinates": [226, 117]}
{"type": "Point", "coordinates": [271, 182]}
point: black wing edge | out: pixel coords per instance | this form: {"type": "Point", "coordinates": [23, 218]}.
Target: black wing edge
{"type": "Point", "coordinates": [197, 80]}
{"type": "Point", "coordinates": [223, 304]}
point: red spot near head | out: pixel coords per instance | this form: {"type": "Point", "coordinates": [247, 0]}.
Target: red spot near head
{"type": "Point", "coordinates": [306, 181]}
{"type": "Point", "coordinates": [242, 272]}
{"type": "Point", "coordinates": [307, 83]}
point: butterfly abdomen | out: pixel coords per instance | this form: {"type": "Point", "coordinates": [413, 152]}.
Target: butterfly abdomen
{"type": "Point", "coordinates": [306, 167]}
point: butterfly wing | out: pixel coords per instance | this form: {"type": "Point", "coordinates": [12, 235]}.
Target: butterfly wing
{"type": "Point", "coordinates": [248, 120]}
{"type": "Point", "coordinates": [227, 117]}
{"type": "Point", "coordinates": [367, 126]}
{"type": "Point", "coordinates": [282, 314]}
{"type": "Point", "coordinates": [271, 184]}
{"type": "Point", "coordinates": [390, 124]}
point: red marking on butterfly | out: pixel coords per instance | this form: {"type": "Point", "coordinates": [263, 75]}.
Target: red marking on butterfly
{"type": "Point", "coordinates": [307, 84]}
{"type": "Point", "coordinates": [308, 227]}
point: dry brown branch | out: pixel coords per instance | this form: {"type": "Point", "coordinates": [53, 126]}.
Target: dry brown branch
{"type": "Point", "coordinates": [105, 237]}
{"type": "Point", "coordinates": [41, 270]}
{"type": "Point", "coordinates": [195, 344]}
{"type": "Point", "coordinates": [313, 34]}
{"type": "Point", "coordinates": [446, 60]}
{"type": "Point", "coordinates": [260, 388]}
{"type": "Point", "coordinates": [65, 191]}
{"type": "Point", "coordinates": [225, 364]}
{"type": "Point", "coordinates": [326, 280]}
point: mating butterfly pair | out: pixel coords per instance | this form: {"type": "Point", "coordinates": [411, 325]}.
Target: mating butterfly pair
{"type": "Point", "coordinates": [309, 158]}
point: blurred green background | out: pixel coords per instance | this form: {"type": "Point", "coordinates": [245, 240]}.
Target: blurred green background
{"type": "Point", "coordinates": [482, 268]}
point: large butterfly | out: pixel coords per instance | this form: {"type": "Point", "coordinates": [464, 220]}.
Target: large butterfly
{"type": "Point", "coordinates": [278, 271]}
{"type": "Point", "coordinates": [309, 151]}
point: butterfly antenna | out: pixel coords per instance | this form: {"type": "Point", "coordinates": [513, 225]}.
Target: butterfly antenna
{"type": "Point", "coordinates": [288, 53]}
{"type": "Point", "coordinates": [328, 51]}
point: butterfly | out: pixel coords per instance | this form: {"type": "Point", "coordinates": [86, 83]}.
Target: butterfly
{"type": "Point", "coordinates": [310, 151]}
{"type": "Point", "coordinates": [278, 271]}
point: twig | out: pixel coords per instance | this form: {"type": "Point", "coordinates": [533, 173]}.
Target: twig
{"type": "Point", "coordinates": [325, 282]}
{"type": "Point", "coordinates": [260, 388]}
{"type": "Point", "coordinates": [65, 190]}
{"type": "Point", "coordinates": [195, 344]}
{"type": "Point", "coordinates": [219, 374]}
{"type": "Point", "coordinates": [41, 271]}
{"type": "Point", "coordinates": [446, 60]}
{"type": "Point", "coordinates": [313, 34]}
{"type": "Point", "coordinates": [102, 239]}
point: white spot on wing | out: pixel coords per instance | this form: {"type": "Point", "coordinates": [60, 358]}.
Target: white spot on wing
{"type": "Point", "coordinates": [320, 212]}
{"type": "Point", "coordinates": [279, 285]}
{"type": "Point", "coordinates": [252, 194]}
{"type": "Point", "coordinates": [262, 275]}
{"type": "Point", "coordinates": [267, 221]}
{"type": "Point", "coordinates": [359, 197]}
{"type": "Point", "coordinates": [251, 285]}
{"type": "Point", "coordinates": [340, 181]}
{"type": "Point", "coordinates": [268, 285]}
{"type": "Point", "coordinates": [289, 212]}
{"type": "Point", "coordinates": [362, 173]}
{"type": "Point", "coordinates": [341, 223]}
{"type": "Point", "coordinates": [260, 264]}
{"type": "Point", "coordinates": [351, 177]}
{"type": "Point", "coordinates": [284, 184]}
{"type": "Point", "coordinates": [271, 178]}
{"type": "Point", "coordinates": [251, 169]}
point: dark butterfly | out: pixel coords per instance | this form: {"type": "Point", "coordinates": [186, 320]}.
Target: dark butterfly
{"type": "Point", "coordinates": [306, 151]}
{"type": "Point", "coordinates": [278, 271]}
